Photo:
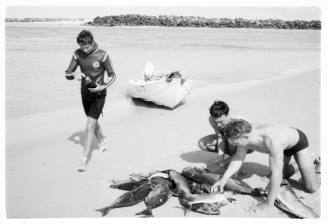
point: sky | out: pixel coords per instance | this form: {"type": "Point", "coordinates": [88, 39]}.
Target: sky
{"type": "Point", "coordinates": [285, 13]}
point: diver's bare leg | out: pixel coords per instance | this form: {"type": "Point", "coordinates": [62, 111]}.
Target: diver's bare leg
{"type": "Point", "coordinates": [306, 166]}
{"type": "Point", "coordinates": [90, 126]}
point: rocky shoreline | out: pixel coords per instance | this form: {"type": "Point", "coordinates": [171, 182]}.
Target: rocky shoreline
{"type": "Point", "coordinates": [191, 21]}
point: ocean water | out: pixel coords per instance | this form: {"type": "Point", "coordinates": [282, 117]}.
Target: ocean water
{"type": "Point", "coordinates": [37, 54]}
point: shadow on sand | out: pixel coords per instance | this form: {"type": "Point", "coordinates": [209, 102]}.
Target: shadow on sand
{"type": "Point", "coordinates": [247, 170]}
{"type": "Point", "coordinates": [142, 103]}
{"type": "Point", "coordinates": [79, 138]}
{"type": "Point", "coordinates": [211, 160]}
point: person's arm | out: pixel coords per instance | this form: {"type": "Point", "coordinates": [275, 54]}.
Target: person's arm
{"type": "Point", "coordinates": [71, 68]}
{"type": "Point", "coordinates": [233, 167]}
{"type": "Point", "coordinates": [235, 164]}
{"type": "Point", "coordinates": [276, 167]}
{"type": "Point", "coordinates": [108, 67]}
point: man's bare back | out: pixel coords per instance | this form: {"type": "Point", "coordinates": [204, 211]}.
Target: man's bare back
{"type": "Point", "coordinates": [269, 134]}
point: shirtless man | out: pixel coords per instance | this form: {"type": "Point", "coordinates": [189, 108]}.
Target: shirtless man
{"type": "Point", "coordinates": [280, 143]}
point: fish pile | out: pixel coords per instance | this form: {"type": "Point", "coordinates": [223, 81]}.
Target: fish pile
{"type": "Point", "coordinates": [191, 186]}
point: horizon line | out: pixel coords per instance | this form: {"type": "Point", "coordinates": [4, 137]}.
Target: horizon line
{"type": "Point", "coordinates": [20, 18]}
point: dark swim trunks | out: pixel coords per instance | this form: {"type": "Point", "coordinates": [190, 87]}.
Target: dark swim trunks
{"type": "Point", "coordinates": [300, 145]}
{"type": "Point", "coordinates": [93, 102]}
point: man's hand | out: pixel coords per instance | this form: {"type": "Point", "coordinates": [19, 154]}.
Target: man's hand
{"type": "Point", "coordinates": [79, 76]}
{"type": "Point", "coordinates": [212, 146]}
{"type": "Point", "coordinates": [97, 89]}
{"type": "Point", "coordinates": [218, 186]}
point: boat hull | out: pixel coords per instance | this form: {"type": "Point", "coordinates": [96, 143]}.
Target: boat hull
{"type": "Point", "coordinates": [163, 93]}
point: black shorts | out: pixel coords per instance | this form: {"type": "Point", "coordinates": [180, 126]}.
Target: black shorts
{"type": "Point", "coordinates": [93, 102]}
{"type": "Point", "coordinates": [300, 145]}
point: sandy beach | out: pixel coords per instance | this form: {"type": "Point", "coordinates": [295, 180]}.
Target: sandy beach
{"type": "Point", "coordinates": [43, 150]}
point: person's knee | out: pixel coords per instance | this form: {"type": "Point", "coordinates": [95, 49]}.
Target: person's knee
{"type": "Point", "coordinates": [97, 127]}
{"type": "Point", "coordinates": [311, 188]}
{"type": "Point", "coordinates": [91, 124]}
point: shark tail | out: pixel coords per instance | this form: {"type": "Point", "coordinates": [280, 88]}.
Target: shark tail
{"type": "Point", "coordinates": [146, 212]}
{"type": "Point", "coordinates": [104, 211]}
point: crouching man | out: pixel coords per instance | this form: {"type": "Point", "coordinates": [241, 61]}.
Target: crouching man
{"type": "Point", "coordinates": [280, 143]}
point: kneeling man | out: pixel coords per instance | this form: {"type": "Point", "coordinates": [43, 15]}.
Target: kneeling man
{"type": "Point", "coordinates": [280, 143]}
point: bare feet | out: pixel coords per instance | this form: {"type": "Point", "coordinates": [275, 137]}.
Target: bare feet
{"type": "Point", "coordinates": [316, 162]}
{"type": "Point", "coordinates": [102, 146]}
{"type": "Point", "coordinates": [83, 163]}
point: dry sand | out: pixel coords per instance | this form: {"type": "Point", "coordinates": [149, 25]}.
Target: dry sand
{"type": "Point", "coordinates": [43, 150]}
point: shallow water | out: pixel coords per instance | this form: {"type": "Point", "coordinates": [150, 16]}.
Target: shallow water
{"type": "Point", "coordinates": [38, 54]}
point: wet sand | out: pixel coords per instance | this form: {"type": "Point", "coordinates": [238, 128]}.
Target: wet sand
{"type": "Point", "coordinates": [43, 150]}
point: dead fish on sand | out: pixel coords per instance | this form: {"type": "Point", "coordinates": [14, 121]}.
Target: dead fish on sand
{"type": "Point", "coordinates": [210, 198]}
{"type": "Point", "coordinates": [200, 195]}
{"type": "Point", "coordinates": [136, 180]}
{"type": "Point", "coordinates": [159, 194]}
{"type": "Point", "coordinates": [289, 202]}
{"type": "Point", "coordinates": [126, 185]}
{"type": "Point", "coordinates": [179, 183]}
{"type": "Point", "coordinates": [201, 176]}
{"type": "Point", "coordinates": [203, 208]}
{"type": "Point", "coordinates": [208, 204]}
{"type": "Point", "coordinates": [190, 198]}
{"type": "Point", "coordinates": [129, 198]}
{"type": "Point", "coordinates": [184, 192]}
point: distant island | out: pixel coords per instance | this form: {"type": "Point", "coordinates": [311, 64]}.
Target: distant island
{"type": "Point", "coordinates": [182, 21]}
{"type": "Point", "coordinates": [82, 20]}
{"type": "Point", "coordinates": [191, 21]}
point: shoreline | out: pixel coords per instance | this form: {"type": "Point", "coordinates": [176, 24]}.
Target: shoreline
{"type": "Point", "coordinates": [82, 24]}
{"type": "Point", "coordinates": [201, 91]}
{"type": "Point", "coordinates": [199, 21]}
{"type": "Point", "coordinates": [17, 127]}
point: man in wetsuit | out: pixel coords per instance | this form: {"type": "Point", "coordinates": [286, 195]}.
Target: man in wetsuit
{"type": "Point", "coordinates": [93, 63]}
{"type": "Point", "coordinates": [280, 143]}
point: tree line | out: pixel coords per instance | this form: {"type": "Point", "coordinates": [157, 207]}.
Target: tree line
{"type": "Point", "coordinates": [192, 21]}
